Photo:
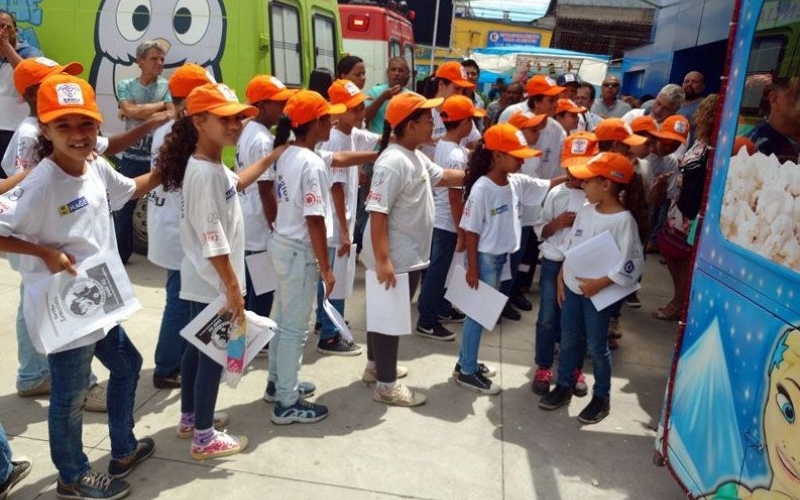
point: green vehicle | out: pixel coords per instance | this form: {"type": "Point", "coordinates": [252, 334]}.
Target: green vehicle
{"type": "Point", "coordinates": [234, 39]}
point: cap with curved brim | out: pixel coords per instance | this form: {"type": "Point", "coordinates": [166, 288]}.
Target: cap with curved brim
{"type": "Point", "coordinates": [402, 105]}
{"type": "Point", "coordinates": [634, 140]}
{"type": "Point", "coordinates": [49, 116]}
{"type": "Point", "coordinates": [525, 153]}
{"type": "Point", "coordinates": [233, 108]}
{"type": "Point", "coordinates": [612, 166]}
{"type": "Point", "coordinates": [526, 119]}
{"type": "Point", "coordinates": [337, 109]}
{"type": "Point", "coordinates": [354, 101]}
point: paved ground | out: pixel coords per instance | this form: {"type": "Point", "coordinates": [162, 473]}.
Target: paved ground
{"type": "Point", "coordinates": [459, 445]}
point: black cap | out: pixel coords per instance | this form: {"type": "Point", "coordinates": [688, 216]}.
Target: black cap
{"type": "Point", "coordinates": [567, 78]}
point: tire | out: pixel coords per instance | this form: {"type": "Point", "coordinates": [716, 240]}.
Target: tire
{"type": "Point", "coordinates": [140, 226]}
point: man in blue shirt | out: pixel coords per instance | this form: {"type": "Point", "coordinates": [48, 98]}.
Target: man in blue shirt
{"type": "Point", "coordinates": [779, 132]}
{"type": "Point", "coordinates": [139, 99]}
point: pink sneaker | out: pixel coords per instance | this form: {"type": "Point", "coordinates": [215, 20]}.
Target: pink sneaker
{"type": "Point", "coordinates": [221, 445]}
{"type": "Point", "coordinates": [541, 381]}
{"type": "Point", "coordinates": [220, 421]}
{"type": "Point", "coordinates": [580, 388]}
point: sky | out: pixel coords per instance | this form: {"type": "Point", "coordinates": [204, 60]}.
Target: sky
{"type": "Point", "coordinates": [519, 10]}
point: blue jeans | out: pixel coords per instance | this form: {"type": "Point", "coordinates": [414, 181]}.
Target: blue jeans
{"type": "Point", "coordinates": [491, 268]}
{"type": "Point", "coordinates": [548, 323]}
{"type": "Point", "coordinates": [259, 304]}
{"type": "Point", "coordinates": [581, 322]}
{"type": "Point", "coordinates": [123, 219]}
{"type": "Point", "coordinates": [431, 301]}
{"type": "Point", "coordinates": [507, 286]}
{"type": "Point", "coordinates": [296, 267]}
{"type": "Point", "coordinates": [5, 456]}
{"type": "Point", "coordinates": [70, 370]}
{"type": "Point", "coordinates": [328, 330]}
{"type": "Point", "coordinates": [33, 367]}
{"type": "Point", "coordinates": [200, 376]}
{"type": "Point", "coordinates": [170, 346]}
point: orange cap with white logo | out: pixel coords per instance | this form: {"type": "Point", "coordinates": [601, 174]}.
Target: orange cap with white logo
{"type": "Point", "coordinates": [32, 71]}
{"type": "Point", "coordinates": [508, 139]}
{"type": "Point", "coordinates": [579, 147]}
{"type": "Point", "coordinates": [63, 94]}
{"type": "Point", "coordinates": [347, 93]}
{"type": "Point", "coordinates": [542, 85]}
{"type": "Point", "coordinates": [568, 105]}
{"type": "Point", "coordinates": [184, 79]}
{"type": "Point", "coordinates": [454, 72]}
{"type": "Point", "coordinates": [217, 99]}
{"type": "Point", "coordinates": [526, 119]}
{"type": "Point", "coordinates": [267, 88]}
{"type": "Point", "coordinates": [615, 129]}
{"type": "Point", "coordinates": [459, 107]}
{"type": "Point", "coordinates": [644, 123]}
{"type": "Point", "coordinates": [612, 166]}
{"type": "Point", "coordinates": [307, 105]}
{"type": "Point", "coordinates": [675, 128]}
{"type": "Point", "coordinates": [402, 105]}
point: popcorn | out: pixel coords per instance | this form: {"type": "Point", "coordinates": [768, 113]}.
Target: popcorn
{"type": "Point", "coordinates": [761, 207]}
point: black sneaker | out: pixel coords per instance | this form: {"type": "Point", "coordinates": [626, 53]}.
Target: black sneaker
{"type": "Point", "coordinates": [511, 313]}
{"type": "Point", "coordinates": [483, 369]}
{"type": "Point", "coordinates": [94, 485]}
{"type": "Point", "coordinates": [171, 381]}
{"type": "Point", "coordinates": [454, 316]}
{"type": "Point", "coordinates": [478, 383]}
{"type": "Point", "coordinates": [18, 472]}
{"type": "Point", "coordinates": [520, 302]}
{"type": "Point", "coordinates": [437, 332]}
{"type": "Point", "coordinates": [301, 412]}
{"type": "Point", "coordinates": [338, 346]}
{"type": "Point", "coordinates": [121, 468]}
{"type": "Point", "coordinates": [595, 411]}
{"type": "Point", "coordinates": [558, 397]}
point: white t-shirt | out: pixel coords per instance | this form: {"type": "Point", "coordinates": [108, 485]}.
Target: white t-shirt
{"type": "Point", "coordinates": [358, 140]}
{"type": "Point", "coordinates": [164, 216]}
{"type": "Point", "coordinates": [401, 188]}
{"type": "Point", "coordinates": [255, 143]}
{"type": "Point", "coordinates": [438, 132]}
{"type": "Point", "coordinates": [14, 110]}
{"type": "Point", "coordinates": [20, 155]}
{"type": "Point", "coordinates": [494, 212]}
{"type": "Point", "coordinates": [513, 109]}
{"type": "Point", "coordinates": [54, 209]}
{"type": "Point", "coordinates": [211, 225]}
{"type": "Point", "coordinates": [302, 188]}
{"type": "Point", "coordinates": [557, 202]}
{"type": "Point", "coordinates": [452, 156]}
{"type": "Point", "coordinates": [550, 143]}
{"type": "Point", "coordinates": [588, 224]}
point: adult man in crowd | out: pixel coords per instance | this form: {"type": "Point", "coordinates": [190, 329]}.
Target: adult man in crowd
{"type": "Point", "coordinates": [693, 85]}
{"type": "Point", "coordinates": [570, 81]}
{"type": "Point", "coordinates": [608, 104]}
{"type": "Point", "coordinates": [139, 99]}
{"type": "Point", "coordinates": [473, 72]}
{"type": "Point", "coordinates": [510, 94]}
{"type": "Point", "coordinates": [779, 132]}
{"type": "Point", "coordinates": [397, 76]}
{"type": "Point", "coordinates": [667, 103]}
{"type": "Point", "coordinates": [12, 108]}
{"type": "Point", "coordinates": [584, 97]}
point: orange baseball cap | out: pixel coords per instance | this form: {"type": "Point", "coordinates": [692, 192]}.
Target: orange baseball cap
{"type": "Point", "coordinates": [347, 93]}
{"type": "Point", "coordinates": [568, 105]}
{"type": "Point", "coordinates": [402, 105]}
{"type": "Point", "coordinates": [454, 72]}
{"type": "Point", "coordinates": [615, 129]}
{"type": "Point", "coordinates": [64, 94]}
{"type": "Point", "coordinates": [542, 85]}
{"type": "Point", "coordinates": [459, 107]}
{"type": "Point", "coordinates": [644, 123]}
{"type": "Point", "coordinates": [217, 99]}
{"type": "Point", "coordinates": [184, 79]}
{"type": "Point", "coordinates": [579, 147]}
{"type": "Point", "coordinates": [675, 128]}
{"type": "Point", "coordinates": [307, 105]}
{"type": "Point", "coordinates": [612, 166]}
{"type": "Point", "coordinates": [508, 139]}
{"type": "Point", "coordinates": [526, 119]}
{"type": "Point", "coordinates": [33, 70]}
{"type": "Point", "coordinates": [267, 88]}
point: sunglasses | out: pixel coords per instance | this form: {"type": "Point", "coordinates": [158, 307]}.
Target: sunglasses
{"type": "Point", "coordinates": [611, 85]}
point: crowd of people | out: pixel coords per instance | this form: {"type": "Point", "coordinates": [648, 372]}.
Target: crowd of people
{"type": "Point", "coordinates": [406, 179]}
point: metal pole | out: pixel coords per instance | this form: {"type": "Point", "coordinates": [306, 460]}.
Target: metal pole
{"type": "Point", "coordinates": [433, 42]}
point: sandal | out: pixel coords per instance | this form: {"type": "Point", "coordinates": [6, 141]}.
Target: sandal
{"type": "Point", "coordinates": [666, 313]}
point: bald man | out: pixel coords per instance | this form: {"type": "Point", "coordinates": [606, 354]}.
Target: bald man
{"type": "Point", "coordinates": [693, 85]}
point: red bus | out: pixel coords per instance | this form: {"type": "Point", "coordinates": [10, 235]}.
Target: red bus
{"type": "Point", "coordinates": [375, 34]}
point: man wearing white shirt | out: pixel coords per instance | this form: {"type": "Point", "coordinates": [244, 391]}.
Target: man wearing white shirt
{"type": "Point", "coordinates": [608, 105]}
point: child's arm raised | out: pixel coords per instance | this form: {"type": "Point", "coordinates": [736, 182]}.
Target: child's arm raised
{"type": "Point", "coordinates": [233, 292]}
{"type": "Point", "coordinates": [55, 260]}
{"type": "Point", "coordinates": [251, 174]}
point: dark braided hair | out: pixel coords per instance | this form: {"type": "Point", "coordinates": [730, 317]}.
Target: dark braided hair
{"type": "Point", "coordinates": [179, 144]}
{"type": "Point", "coordinates": [478, 165]}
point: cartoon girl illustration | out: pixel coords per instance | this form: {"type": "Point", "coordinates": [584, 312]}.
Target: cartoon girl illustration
{"type": "Point", "coordinates": [781, 430]}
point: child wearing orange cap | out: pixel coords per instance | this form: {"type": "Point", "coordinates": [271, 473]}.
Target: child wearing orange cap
{"type": "Point", "coordinates": [69, 191]}
{"type": "Point", "coordinates": [494, 194]}
{"type": "Point", "coordinates": [212, 237]}
{"type": "Point", "coordinates": [299, 250]}
{"type": "Point", "coordinates": [567, 115]}
{"type": "Point", "coordinates": [605, 178]}
{"type": "Point", "coordinates": [552, 227]}
{"type": "Point", "coordinates": [457, 114]}
{"type": "Point", "coordinates": [398, 237]}
{"type": "Point", "coordinates": [164, 240]}
{"type": "Point", "coordinates": [347, 135]}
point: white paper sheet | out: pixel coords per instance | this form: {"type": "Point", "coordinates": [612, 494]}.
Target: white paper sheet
{"type": "Point", "coordinates": [208, 331]}
{"type": "Point", "coordinates": [333, 314]}
{"type": "Point", "coordinates": [344, 270]}
{"type": "Point", "coordinates": [64, 311]}
{"type": "Point", "coordinates": [262, 274]}
{"type": "Point", "coordinates": [484, 305]}
{"type": "Point", "coordinates": [593, 259]}
{"type": "Point", "coordinates": [460, 259]}
{"type": "Point", "coordinates": [388, 311]}
{"type": "Point", "coordinates": [505, 274]}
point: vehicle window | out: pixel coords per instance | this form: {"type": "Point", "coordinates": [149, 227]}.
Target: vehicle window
{"type": "Point", "coordinates": [324, 42]}
{"type": "Point", "coordinates": [394, 49]}
{"type": "Point", "coordinates": [287, 62]}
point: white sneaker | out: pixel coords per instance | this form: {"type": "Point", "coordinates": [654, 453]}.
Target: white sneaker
{"type": "Point", "coordinates": [96, 399]}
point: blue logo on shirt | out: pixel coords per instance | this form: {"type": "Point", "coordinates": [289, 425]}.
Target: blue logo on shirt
{"type": "Point", "coordinates": [578, 232]}
{"type": "Point", "coordinates": [73, 206]}
{"type": "Point", "coordinates": [499, 210]}
{"type": "Point", "coordinates": [230, 193]}
{"type": "Point", "coordinates": [629, 267]}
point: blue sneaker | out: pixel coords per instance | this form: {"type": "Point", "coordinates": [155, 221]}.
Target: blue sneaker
{"type": "Point", "coordinates": [306, 390]}
{"type": "Point", "coordinates": [301, 412]}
